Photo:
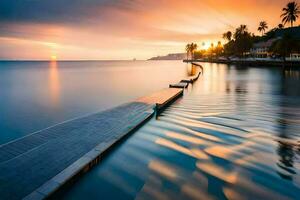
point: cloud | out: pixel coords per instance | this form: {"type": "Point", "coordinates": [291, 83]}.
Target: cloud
{"type": "Point", "coordinates": [47, 11]}
{"type": "Point", "coordinates": [110, 25]}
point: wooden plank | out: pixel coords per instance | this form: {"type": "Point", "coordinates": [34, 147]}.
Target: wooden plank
{"type": "Point", "coordinates": [191, 79]}
{"type": "Point", "coordinates": [179, 85]}
{"type": "Point", "coordinates": [35, 166]}
{"type": "Point", "coordinates": [161, 97]}
{"type": "Point", "coordinates": [187, 81]}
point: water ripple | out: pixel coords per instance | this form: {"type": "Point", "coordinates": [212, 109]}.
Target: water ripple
{"type": "Point", "coordinates": [238, 139]}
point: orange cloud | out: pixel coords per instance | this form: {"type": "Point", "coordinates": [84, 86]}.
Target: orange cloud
{"type": "Point", "coordinates": [127, 29]}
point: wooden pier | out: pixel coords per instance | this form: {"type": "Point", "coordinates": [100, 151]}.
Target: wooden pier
{"type": "Point", "coordinates": [179, 85]}
{"type": "Point", "coordinates": [191, 79]}
{"type": "Point", "coordinates": [35, 166]}
{"type": "Point", "coordinates": [184, 83]}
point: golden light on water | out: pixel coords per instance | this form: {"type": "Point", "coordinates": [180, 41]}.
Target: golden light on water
{"type": "Point", "coordinates": [217, 171]}
{"type": "Point", "coordinates": [54, 82]}
{"type": "Point", "coordinates": [163, 169]}
{"type": "Point", "coordinates": [174, 146]}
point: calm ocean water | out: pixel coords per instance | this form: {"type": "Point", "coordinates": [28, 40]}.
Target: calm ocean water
{"type": "Point", "coordinates": [36, 95]}
{"type": "Point", "coordinates": [235, 134]}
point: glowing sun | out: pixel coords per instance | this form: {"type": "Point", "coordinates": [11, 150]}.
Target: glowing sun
{"type": "Point", "coordinates": [53, 58]}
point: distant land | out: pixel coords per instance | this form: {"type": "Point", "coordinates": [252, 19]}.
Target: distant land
{"type": "Point", "coordinates": [171, 56]}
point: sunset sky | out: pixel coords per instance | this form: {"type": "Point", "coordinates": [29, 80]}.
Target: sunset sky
{"type": "Point", "coordinates": [122, 29]}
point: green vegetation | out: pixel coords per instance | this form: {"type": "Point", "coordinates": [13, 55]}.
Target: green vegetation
{"type": "Point", "coordinates": [190, 49]}
{"type": "Point", "coordinates": [227, 36]}
{"type": "Point", "coordinates": [285, 46]}
{"type": "Point", "coordinates": [263, 26]}
{"type": "Point", "coordinates": [290, 13]}
{"type": "Point", "coordinates": [238, 43]}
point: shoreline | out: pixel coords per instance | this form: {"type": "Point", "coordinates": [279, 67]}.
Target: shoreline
{"type": "Point", "coordinates": [265, 63]}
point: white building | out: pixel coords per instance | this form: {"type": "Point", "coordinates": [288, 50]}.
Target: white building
{"type": "Point", "coordinates": [261, 49]}
{"type": "Point", "coordinates": [293, 57]}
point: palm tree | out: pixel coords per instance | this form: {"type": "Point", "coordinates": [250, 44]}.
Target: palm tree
{"type": "Point", "coordinates": [242, 40]}
{"type": "Point", "coordinates": [240, 31]}
{"type": "Point", "coordinates": [262, 27]}
{"type": "Point", "coordinates": [290, 13]}
{"type": "Point", "coordinates": [188, 50]}
{"type": "Point", "coordinates": [219, 48]}
{"type": "Point", "coordinates": [227, 36]}
{"type": "Point", "coordinates": [212, 49]}
{"type": "Point", "coordinates": [194, 47]}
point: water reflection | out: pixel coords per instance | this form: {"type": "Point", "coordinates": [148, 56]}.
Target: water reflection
{"type": "Point", "coordinates": [36, 95]}
{"type": "Point", "coordinates": [192, 70]}
{"type": "Point", "coordinates": [163, 169]}
{"type": "Point", "coordinates": [234, 135]}
{"type": "Point", "coordinates": [54, 84]}
{"type": "Point", "coordinates": [287, 123]}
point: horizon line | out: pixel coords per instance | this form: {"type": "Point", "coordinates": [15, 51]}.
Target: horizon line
{"type": "Point", "coordinates": [49, 60]}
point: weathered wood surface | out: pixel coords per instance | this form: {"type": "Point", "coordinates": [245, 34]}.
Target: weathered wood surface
{"type": "Point", "coordinates": [184, 83]}
{"type": "Point", "coordinates": [191, 79]}
{"type": "Point", "coordinates": [187, 81]}
{"type": "Point", "coordinates": [161, 97]}
{"type": "Point", "coordinates": [179, 85]}
{"type": "Point", "coordinates": [34, 166]}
